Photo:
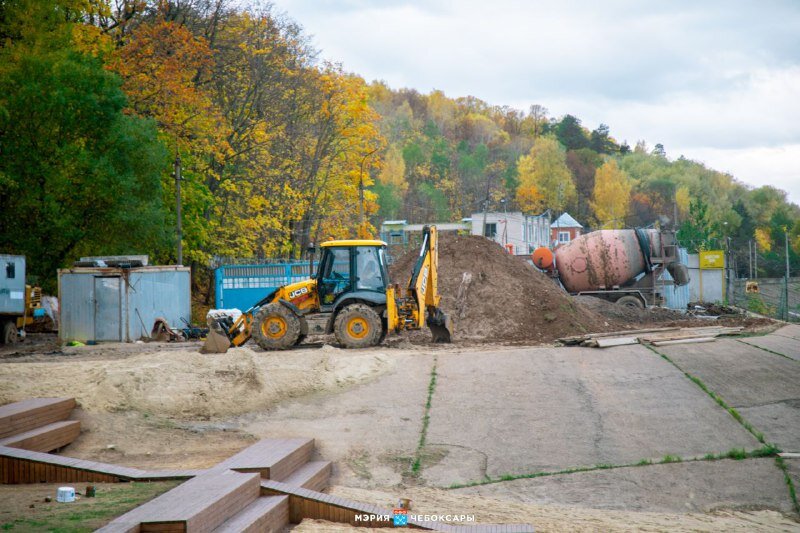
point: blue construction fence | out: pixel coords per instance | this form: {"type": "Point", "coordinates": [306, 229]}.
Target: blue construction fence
{"type": "Point", "coordinates": [676, 297]}
{"type": "Point", "coordinates": [242, 286]}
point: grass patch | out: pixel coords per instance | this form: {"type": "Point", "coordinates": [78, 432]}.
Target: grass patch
{"type": "Point", "coordinates": [670, 459]}
{"type": "Point", "coordinates": [85, 514]}
{"type": "Point", "coordinates": [426, 419]}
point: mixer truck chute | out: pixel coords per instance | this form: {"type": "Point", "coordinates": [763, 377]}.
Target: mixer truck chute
{"type": "Point", "coordinates": [622, 266]}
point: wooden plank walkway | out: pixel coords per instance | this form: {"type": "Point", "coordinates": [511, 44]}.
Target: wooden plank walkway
{"type": "Point", "coordinates": [267, 513]}
{"type": "Point", "coordinates": [19, 466]}
{"type": "Point", "coordinates": [272, 458]}
{"type": "Point", "coordinates": [305, 503]}
{"type": "Point", "coordinates": [46, 438]}
{"type": "Point", "coordinates": [27, 415]}
{"type": "Point", "coordinates": [199, 505]}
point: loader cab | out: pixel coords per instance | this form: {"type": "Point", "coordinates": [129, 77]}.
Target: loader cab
{"type": "Point", "coordinates": [351, 266]}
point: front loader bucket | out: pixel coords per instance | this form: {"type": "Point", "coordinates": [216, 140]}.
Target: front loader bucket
{"type": "Point", "coordinates": [216, 341]}
{"type": "Point", "coordinates": [441, 326]}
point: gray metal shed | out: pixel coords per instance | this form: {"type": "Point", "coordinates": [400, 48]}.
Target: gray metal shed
{"type": "Point", "coordinates": [12, 285]}
{"type": "Point", "coordinates": [121, 304]}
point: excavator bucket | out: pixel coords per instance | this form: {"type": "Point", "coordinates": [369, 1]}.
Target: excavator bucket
{"type": "Point", "coordinates": [441, 326]}
{"type": "Point", "coordinates": [216, 341]}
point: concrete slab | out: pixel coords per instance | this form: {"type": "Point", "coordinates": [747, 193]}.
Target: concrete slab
{"type": "Point", "coordinates": [683, 487]}
{"type": "Point", "coordinates": [791, 331]}
{"type": "Point", "coordinates": [787, 346]}
{"type": "Point", "coordinates": [532, 410]}
{"type": "Point", "coordinates": [743, 375]}
{"type": "Point", "coordinates": [793, 467]}
{"type": "Point", "coordinates": [370, 432]}
{"type": "Point", "coordinates": [780, 423]}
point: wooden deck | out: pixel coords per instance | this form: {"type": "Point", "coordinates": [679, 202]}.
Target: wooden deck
{"type": "Point", "coordinates": [266, 513]}
{"type": "Point", "coordinates": [305, 503]}
{"type": "Point", "coordinates": [272, 458]}
{"type": "Point", "coordinates": [235, 495]}
{"type": "Point", "coordinates": [28, 415]}
{"type": "Point", "coordinates": [46, 438]}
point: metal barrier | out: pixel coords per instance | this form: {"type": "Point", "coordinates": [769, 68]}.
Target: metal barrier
{"type": "Point", "coordinates": [241, 286]}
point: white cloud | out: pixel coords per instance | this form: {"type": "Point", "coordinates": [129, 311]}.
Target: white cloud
{"type": "Point", "coordinates": [712, 78]}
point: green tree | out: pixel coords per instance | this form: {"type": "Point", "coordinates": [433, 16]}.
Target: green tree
{"type": "Point", "coordinates": [77, 175]}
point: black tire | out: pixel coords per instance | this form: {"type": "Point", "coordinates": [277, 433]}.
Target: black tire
{"type": "Point", "coordinates": [358, 326]}
{"type": "Point", "coordinates": [631, 301]}
{"type": "Point", "coordinates": [276, 327]}
{"type": "Point", "coordinates": [9, 332]}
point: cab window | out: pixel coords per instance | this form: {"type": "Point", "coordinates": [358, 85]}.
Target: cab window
{"type": "Point", "coordinates": [368, 267]}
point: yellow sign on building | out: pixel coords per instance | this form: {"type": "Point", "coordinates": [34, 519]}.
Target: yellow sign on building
{"type": "Point", "coordinates": [712, 259]}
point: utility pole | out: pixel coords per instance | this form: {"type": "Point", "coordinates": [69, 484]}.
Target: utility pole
{"type": "Point", "coordinates": [755, 259]}
{"type": "Point", "coordinates": [786, 285]}
{"type": "Point", "coordinates": [178, 224]}
{"type": "Point", "coordinates": [750, 259]}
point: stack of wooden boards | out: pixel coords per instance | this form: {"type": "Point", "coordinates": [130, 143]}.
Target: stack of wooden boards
{"type": "Point", "coordinates": [654, 336]}
{"type": "Point", "coordinates": [38, 424]}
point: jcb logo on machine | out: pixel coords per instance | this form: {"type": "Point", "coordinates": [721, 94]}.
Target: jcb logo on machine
{"type": "Point", "coordinates": [297, 292]}
{"type": "Point", "coordinates": [424, 285]}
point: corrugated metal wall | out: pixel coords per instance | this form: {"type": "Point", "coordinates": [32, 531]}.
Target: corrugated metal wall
{"type": "Point", "coordinates": [144, 295]}
{"type": "Point", "coordinates": [676, 297]}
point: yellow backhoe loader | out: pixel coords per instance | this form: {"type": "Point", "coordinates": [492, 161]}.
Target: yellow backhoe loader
{"type": "Point", "coordinates": [350, 296]}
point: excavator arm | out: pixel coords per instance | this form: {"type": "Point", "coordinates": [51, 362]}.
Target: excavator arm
{"type": "Point", "coordinates": [423, 289]}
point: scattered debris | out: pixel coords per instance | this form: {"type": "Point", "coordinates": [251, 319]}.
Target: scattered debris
{"type": "Point", "coordinates": [161, 332]}
{"type": "Point", "coordinates": [654, 336]}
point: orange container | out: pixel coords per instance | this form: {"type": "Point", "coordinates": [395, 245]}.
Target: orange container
{"type": "Point", "coordinates": [543, 258]}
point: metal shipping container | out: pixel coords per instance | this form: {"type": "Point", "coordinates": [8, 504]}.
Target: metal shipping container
{"type": "Point", "coordinates": [121, 304]}
{"type": "Point", "coordinates": [12, 285]}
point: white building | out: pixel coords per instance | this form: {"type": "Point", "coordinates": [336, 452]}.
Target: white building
{"type": "Point", "coordinates": [521, 234]}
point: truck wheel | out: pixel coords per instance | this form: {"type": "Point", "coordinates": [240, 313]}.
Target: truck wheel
{"type": "Point", "coordinates": [275, 327]}
{"type": "Point", "coordinates": [8, 333]}
{"type": "Point", "coordinates": [358, 326]}
{"type": "Point", "coordinates": [631, 301]}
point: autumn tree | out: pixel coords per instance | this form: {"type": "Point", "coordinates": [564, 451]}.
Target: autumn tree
{"type": "Point", "coordinates": [544, 175]}
{"type": "Point", "coordinates": [611, 196]}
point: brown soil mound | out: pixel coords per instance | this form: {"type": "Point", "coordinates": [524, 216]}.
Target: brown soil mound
{"type": "Point", "coordinates": [492, 295]}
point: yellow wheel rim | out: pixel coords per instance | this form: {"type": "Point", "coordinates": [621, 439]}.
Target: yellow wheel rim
{"type": "Point", "coordinates": [274, 327]}
{"type": "Point", "coordinates": [357, 327]}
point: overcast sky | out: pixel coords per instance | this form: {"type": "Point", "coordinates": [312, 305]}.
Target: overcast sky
{"type": "Point", "coordinates": [715, 81]}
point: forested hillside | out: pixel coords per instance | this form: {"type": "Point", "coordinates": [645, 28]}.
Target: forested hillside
{"type": "Point", "coordinates": [99, 98]}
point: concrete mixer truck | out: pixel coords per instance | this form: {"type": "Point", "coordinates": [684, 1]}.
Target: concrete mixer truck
{"type": "Point", "coordinates": [622, 266]}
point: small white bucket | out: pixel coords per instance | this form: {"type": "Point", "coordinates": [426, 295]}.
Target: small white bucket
{"type": "Point", "coordinates": [65, 494]}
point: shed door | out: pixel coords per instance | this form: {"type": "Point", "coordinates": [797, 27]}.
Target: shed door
{"type": "Point", "coordinates": [107, 309]}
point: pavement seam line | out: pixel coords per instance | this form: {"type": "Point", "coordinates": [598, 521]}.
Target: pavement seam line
{"type": "Point", "coordinates": [789, 483]}
{"type": "Point", "coordinates": [768, 350]}
{"type": "Point", "coordinates": [714, 396]}
{"type": "Point", "coordinates": [416, 466]}
{"type": "Point", "coordinates": [733, 455]}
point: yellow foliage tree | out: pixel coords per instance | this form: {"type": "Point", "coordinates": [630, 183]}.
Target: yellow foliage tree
{"type": "Point", "coordinates": [544, 170]}
{"type": "Point", "coordinates": [764, 239]}
{"type": "Point", "coordinates": [611, 196]}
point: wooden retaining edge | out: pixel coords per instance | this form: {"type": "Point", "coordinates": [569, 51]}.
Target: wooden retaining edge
{"type": "Point", "coordinates": [305, 503]}
{"type": "Point", "coordinates": [24, 466]}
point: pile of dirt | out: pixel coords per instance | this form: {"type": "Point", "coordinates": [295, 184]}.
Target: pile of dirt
{"type": "Point", "coordinates": [183, 383]}
{"type": "Point", "coordinates": [494, 296]}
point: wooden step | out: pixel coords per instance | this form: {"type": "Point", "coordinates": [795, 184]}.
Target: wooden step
{"type": "Point", "coordinates": [267, 513]}
{"type": "Point", "coordinates": [198, 505]}
{"type": "Point", "coordinates": [26, 415]}
{"type": "Point", "coordinates": [272, 458]}
{"type": "Point", "coordinates": [313, 475]}
{"type": "Point", "coordinates": [46, 438]}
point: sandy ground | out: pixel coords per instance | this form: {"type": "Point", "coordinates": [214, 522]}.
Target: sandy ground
{"type": "Point", "coordinates": [494, 410]}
